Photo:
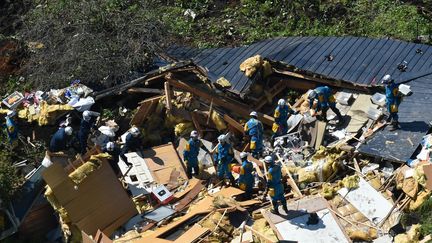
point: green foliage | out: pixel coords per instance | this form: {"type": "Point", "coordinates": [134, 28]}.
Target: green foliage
{"type": "Point", "coordinates": [253, 20]}
{"type": "Point", "coordinates": [425, 213]}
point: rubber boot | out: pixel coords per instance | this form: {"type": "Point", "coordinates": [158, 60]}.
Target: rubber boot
{"type": "Point", "coordinates": [275, 209]}
{"type": "Point", "coordinates": [285, 208]}
{"type": "Point", "coordinates": [394, 126]}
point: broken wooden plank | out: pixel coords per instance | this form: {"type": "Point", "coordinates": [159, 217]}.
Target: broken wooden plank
{"type": "Point", "coordinates": [272, 92]}
{"type": "Point", "coordinates": [321, 126]}
{"type": "Point", "coordinates": [234, 123]}
{"type": "Point", "coordinates": [196, 124]}
{"type": "Point", "coordinates": [224, 102]}
{"type": "Point", "coordinates": [168, 96]}
{"type": "Point", "coordinates": [209, 112]}
{"type": "Point", "coordinates": [193, 234]}
{"type": "Point", "coordinates": [147, 107]}
{"type": "Point", "coordinates": [145, 90]}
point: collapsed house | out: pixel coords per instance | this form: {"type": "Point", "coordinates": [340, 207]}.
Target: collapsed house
{"type": "Point", "coordinates": [347, 183]}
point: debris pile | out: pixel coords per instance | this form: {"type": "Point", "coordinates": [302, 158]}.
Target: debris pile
{"type": "Point", "coordinates": [196, 162]}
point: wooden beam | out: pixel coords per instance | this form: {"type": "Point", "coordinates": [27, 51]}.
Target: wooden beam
{"type": "Point", "coordinates": [259, 235]}
{"type": "Point", "coordinates": [145, 90]}
{"type": "Point", "coordinates": [209, 112]}
{"type": "Point", "coordinates": [147, 106]}
{"type": "Point", "coordinates": [226, 103]}
{"type": "Point", "coordinates": [196, 124]}
{"type": "Point", "coordinates": [234, 123]}
{"type": "Point", "coordinates": [291, 181]}
{"type": "Point", "coordinates": [168, 96]}
{"type": "Point", "coordinates": [274, 91]}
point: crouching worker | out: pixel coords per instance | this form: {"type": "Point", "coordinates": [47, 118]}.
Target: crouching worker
{"type": "Point", "coordinates": [133, 143]}
{"type": "Point", "coordinates": [223, 156]}
{"type": "Point", "coordinates": [61, 140]}
{"type": "Point", "coordinates": [246, 179]}
{"type": "Point", "coordinates": [281, 115]}
{"type": "Point", "coordinates": [112, 149]}
{"type": "Point", "coordinates": [325, 100]}
{"type": "Point", "coordinates": [275, 188]}
{"type": "Point", "coordinates": [190, 154]}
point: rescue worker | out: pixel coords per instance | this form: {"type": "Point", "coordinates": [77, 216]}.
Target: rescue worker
{"type": "Point", "coordinates": [61, 140]}
{"type": "Point", "coordinates": [190, 153]}
{"type": "Point", "coordinates": [87, 123]}
{"type": "Point", "coordinates": [325, 100]}
{"type": "Point", "coordinates": [112, 149]}
{"type": "Point", "coordinates": [11, 128]}
{"type": "Point", "coordinates": [275, 188]}
{"type": "Point", "coordinates": [281, 115]}
{"type": "Point", "coordinates": [393, 100]}
{"type": "Point", "coordinates": [246, 179]}
{"type": "Point", "coordinates": [254, 128]}
{"type": "Point", "coordinates": [132, 143]}
{"type": "Point", "coordinates": [223, 156]}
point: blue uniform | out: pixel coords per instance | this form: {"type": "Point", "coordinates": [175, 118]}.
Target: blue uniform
{"type": "Point", "coordinates": [115, 153]}
{"type": "Point", "coordinates": [12, 130]}
{"type": "Point", "coordinates": [190, 156]}
{"type": "Point", "coordinates": [326, 100]}
{"type": "Point", "coordinates": [393, 100]}
{"type": "Point", "coordinates": [132, 144]}
{"type": "Point", "coordinates": [246, 179]}
{"type": "Point", "coordinates": [84, 132]}
{"type": "Point", "coordinates": [275, 186]}
{"type": "Point", "coordinates": [255, 129]}
{"type": "Point", "coordinates": [223, 156]}
{"type": "Point", "coordinates": [281, 115]}
{"type": "Point", "coordinates": [59, 141]}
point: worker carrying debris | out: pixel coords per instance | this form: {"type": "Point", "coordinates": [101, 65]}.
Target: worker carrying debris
{"type": "Point", "coordinates": [246, 179]}
{"type": "Point", "coordinates": [281, 115]}
{"type": "Point", "coordinates": [132, 143]}
{"type": "Point", "coordinates": [325, 99]}
{"type": "Point", "coordinates": [190, 153]}
{"type": "Point", "coordinates": [223, 155]}
{"type": "Point", "coordinates": [275, 188]}
{"type": "Point", "coordinates": [254, 128]}
{"type": "Point", "coordinates": [112, 149]}
{"type": "Point", "coordinates": [61, 140]}
{"type": "Point", "coordinates": [11, 128]}
{"type": "Point", "coordinates": [393, 100]}
{"type": "Point", "coordinates": [88, 122]}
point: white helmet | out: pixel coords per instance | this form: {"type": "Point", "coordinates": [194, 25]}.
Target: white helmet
{"type": "Point", "coordinates": [86, 116]}
{"type": "Point", "coordinates": [243, 155]}
{"type": "Point", "coordinates": [281, 102]}
{"type": "Point", "coordinates": [80, 91]}
{"type": "Point", "coordinates": [268, 159]}
{"type": "Point", "coordinates": [134, 131]}
{"type": "Point", "coordinates": [68, 130]}
{"type": "Point", "coordinates": [312, 94]}
{"type": "Point", "coordinates": [194, 134]}
{"type": "Point", "coordinates": [110, 146]}
{"type": "Point", "coordinates": [221, 138]}
{"type": "Point", "coordinates": [386, 79]}
{"type": "Point", "coordinates": [253, 113]}
{"type": "Point", "coordinates": [11, 113]}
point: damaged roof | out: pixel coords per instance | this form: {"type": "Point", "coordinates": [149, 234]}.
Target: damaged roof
{"type": "Point", "coordinates": [357, 60]}
{"type": "Point", "coordinates": [415, 113]}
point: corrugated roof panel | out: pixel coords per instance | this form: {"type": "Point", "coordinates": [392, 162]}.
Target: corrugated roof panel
{"type": "Point", "coordinates": [356, 58]}
{"type": "Point", "coordinates": [393, 61]}
{"type": "Point", "coordinates": [226, 59]}
{"type": "Point", "coordinates": [306, 43]}
{"type": "Point", "coordinates": [340, 58]}
{"type": "Point", "coordinates": [425, 60]}
{"type": "Point", "coordinates": [364, 66]}
{"type": "Point", "coordinates": [319, 55]}
{"type": "Point", "coordinates": [282, 44]}
{"type": "Point", "coordinates": [336, 53]}
{"type": "Point", "coordinates": [317, 46]}
{"type": "Point", "coordinates": [291, 48]}
{"type": "Point", "coordinates": [369, 77]}
{"type": "Point", "coordinates": [350, 57]}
